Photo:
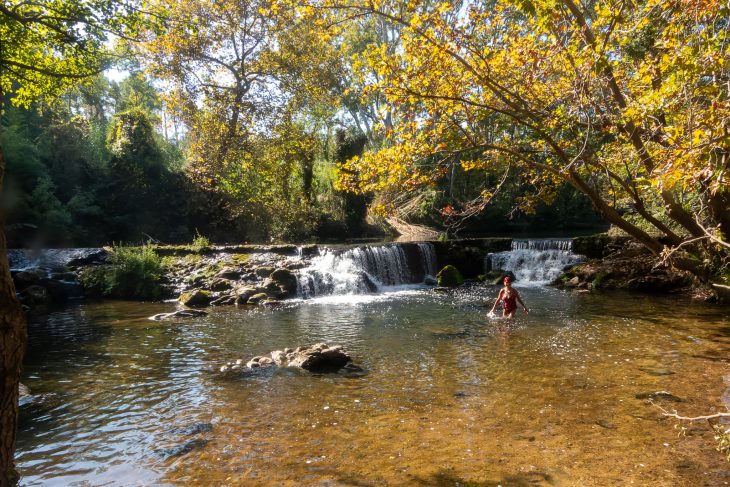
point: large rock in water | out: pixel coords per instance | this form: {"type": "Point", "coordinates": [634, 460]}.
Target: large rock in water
{"type": "Point", "coordinates": [449, 276]}
{"type": "Point", "coordinates": [196, 298]}
{"type": "Point", "coordinates": [286, 280]}
{"type": "Point", "coordinates": [317, 358]}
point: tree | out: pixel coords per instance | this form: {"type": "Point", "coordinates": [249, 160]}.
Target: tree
{"type": "Point", "coordinates": [46, 47]}
{"type": "Point", "coordinates": [626, 102]}
{"type": "Point", "coordinates": [211, 54]}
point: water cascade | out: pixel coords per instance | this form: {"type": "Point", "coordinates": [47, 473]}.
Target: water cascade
{"type": "Point", "coordinates": [534, 262]}
{"type": "Point", "coordinates": [52, 259]}
{"type": "Point", "coordinates": [366, 269]}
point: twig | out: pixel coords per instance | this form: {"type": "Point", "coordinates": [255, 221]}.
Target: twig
{"type": "Point", "coordinates": [697, 418]}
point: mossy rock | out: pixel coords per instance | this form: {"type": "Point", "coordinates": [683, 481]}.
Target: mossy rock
{"type": "Point", "coordinates": [286, 280]}
{"type": "Point", "coordinates": [264, 271]}
{"type": "Point", "coordinates": [450, 276]}
{"type": "Point", "coordinates": [196, 298]}
{"type": "Point", "coordinates": [221, 284]}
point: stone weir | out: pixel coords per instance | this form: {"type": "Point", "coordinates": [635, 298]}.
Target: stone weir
{"type": "Point", "coordinates": [267, 274]}
{"type": "Point", "coordinates": [257, 275]}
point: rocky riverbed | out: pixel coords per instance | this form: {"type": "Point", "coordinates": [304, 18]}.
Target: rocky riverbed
{"type": "Point", "coordinates": [268, 275]}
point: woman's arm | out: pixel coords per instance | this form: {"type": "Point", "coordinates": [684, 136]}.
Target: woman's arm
{"type": "Point", "coordinates": [499, 297]}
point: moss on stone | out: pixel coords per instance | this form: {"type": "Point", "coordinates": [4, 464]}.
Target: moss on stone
{"type": "Point", "coordinates": [450, 276]}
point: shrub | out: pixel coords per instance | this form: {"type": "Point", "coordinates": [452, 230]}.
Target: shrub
{"type": "Point", "coordinates": [200, 243]}
{"type": "Point", "coordinates": [132, 273]}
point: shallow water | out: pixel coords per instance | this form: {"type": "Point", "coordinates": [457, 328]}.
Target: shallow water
{"type": "Point", "coordinates": [448, 396]}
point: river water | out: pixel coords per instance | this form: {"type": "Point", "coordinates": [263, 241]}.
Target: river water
{"type": "Point", "coordinates": [447, 396]}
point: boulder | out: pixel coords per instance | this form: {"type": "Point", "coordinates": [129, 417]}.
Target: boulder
{"type": "Point", "coordinates": [500, 275]}
{"type": "Point", "coordinates": [317, 358]}
{"type": "Point", "coordinates": [264, 271]}
{"type": "Point", "coordinates": [23, 279]}
{"type": "Point", "coordinates": [278, 357]}
{"type": "Point", "coordinates": [61, 290]}
{"type": "Point", "coordinates": [286, 280]}
{"type": "Point", "coordinates": [65, 276]}
{"type": "Point", "coordinates": [224, 300]}
{"type": "Point", "coordinates": [449, 276]}
{"type": "Point", "coordinates": [430, 281]}
{"type": "Point", "coordinates": [34, 295]}
{"type": "Point", "coordinates": [221, 284]}
{"type": "Point", "coordinates": [242, 294]}
{"type": "Point", "coordinates": [196, 298]}
{"type": "Point", "coordinates": [229, 273]}
{"type": "Point", "coordinates": [97, 257]}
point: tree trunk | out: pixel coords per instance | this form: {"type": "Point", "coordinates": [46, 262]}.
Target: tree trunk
{"type": "Point", "coordinates": [13, 338]}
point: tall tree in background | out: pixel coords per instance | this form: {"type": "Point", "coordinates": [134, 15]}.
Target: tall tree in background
{"type": "Point", "coordinates": [46, 47]}
{"type": "Point", "coordinates": [211, 53]}
{"type": "Point", "coordinates": [627, 102]}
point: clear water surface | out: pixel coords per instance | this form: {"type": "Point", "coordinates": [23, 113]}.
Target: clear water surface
{"type": "Point", "coordinates": [448, 396]}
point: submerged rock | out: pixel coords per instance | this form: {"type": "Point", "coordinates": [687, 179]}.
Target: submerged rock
{"type": "Point", "coordinates": [658, 396]}
{"type": "Point", "coordinates": [193, 429]}
{"type": "Point", "coordinates": [183, 313]}
{"type": "Point", "coordinates": [183, 448]}
{"type": "Point", "coordinates": [34, 295]}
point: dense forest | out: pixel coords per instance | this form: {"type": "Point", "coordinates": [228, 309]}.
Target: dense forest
{"type": "Point", "coordinates": [199, 138]}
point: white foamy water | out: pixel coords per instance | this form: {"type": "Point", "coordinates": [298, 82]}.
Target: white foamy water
{"type": "Point", "coordinates": [365, 270]}
{"type": "Point", "coordinates": [535, 262]}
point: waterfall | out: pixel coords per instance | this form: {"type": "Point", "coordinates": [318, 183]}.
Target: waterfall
{"type": "Point", "coordinates": [534, 262]}
{"type": "Point", "coordinates": [543, 244]}
{"type": "Point", "coordinates": [366, 269]}
{"type": "Point", "coordinates": [53, 259]}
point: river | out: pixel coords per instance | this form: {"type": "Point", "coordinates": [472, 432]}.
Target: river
{"type": "Point", "coordinates": [447, 396]}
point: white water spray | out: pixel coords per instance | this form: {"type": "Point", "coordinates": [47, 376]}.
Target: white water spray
{"type": "Point", "coordinates": [366, 269]}
{"type": "Point", "coordinates": [535, 262]}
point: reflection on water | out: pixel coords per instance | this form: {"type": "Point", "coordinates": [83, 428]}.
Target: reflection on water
{"type": "Point", "coordinates": [449, 397]}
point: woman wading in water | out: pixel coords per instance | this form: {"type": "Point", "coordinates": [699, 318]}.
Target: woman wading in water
{"type": "Point", "coordinates": [509, 297]}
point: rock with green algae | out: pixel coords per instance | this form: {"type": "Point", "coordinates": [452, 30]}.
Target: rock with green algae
{"type": "Point", "coordinates": [450, 276]}
{"type": "Point", "coordinates": [196, 298]}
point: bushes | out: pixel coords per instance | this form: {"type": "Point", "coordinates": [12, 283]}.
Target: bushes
{"type": "Point", "coordinates": [132, 273]}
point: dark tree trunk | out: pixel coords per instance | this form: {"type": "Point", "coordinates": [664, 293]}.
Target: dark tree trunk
{"type": "Point", "coordinates": [13, 337]}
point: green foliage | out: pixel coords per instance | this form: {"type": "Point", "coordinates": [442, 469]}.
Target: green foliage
{"type": "Point", "coordinates": [51, 45]}
{"type": "Point", "coordinates": [599, 279]}
{"type": "Point", "coordinates": [135, 155]}
{"type": "Point", "coordinates": [132, 273]}
{"type": "Point", "coordinates": [200, 243]}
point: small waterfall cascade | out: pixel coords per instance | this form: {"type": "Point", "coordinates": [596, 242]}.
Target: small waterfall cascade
{"type": "Point", "coordinates": [366, 269]}
{"type": "Point", "coordinates": [53, 259]}
{"type": "Point", "coordinates": [534, 262]}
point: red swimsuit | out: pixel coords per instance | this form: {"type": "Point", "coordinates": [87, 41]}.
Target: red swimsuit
{"type": "Point", "coordinates": [509, 303]}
